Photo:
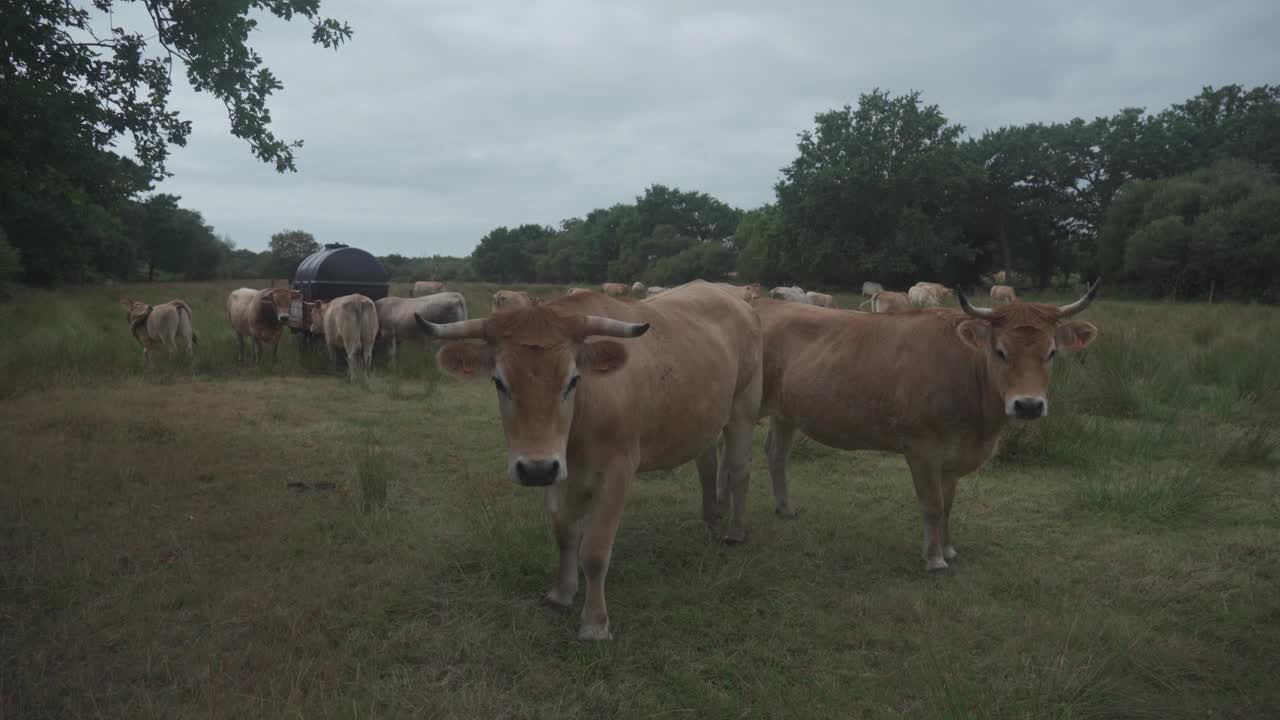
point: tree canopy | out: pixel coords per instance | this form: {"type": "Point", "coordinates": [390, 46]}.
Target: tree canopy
{"type": "Point", "coordinates": [1180, 201]}
{"type": "Point", "coordinates": [75, 82]}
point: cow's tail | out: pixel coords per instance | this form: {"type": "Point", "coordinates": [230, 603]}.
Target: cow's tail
{"type": "Point", "coordinates": [864, 305]}
{"type": "Point", "coordinates": [184, 320]}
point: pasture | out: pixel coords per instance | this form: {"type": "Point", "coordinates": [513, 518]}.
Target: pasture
{"type": "Point", "coordinates": [231, 541]}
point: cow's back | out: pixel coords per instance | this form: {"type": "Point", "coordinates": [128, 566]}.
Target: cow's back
{"type": "Point", "coordinates": [681, 379]}
{"type": "Point", "coordinates": [163, 322]}
{"type": "Point", "coordinates": [350, 321]}
{"type": "Point", "coordinates": [869, 381]}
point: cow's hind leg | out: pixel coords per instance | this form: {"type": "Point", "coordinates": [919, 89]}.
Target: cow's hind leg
{"type": "Point", "coordinates": [928, 481]}
{"type": "Point", "coordinates": [949, 485]}
{"type": "Point", "coordinates": [597, 549]}
{"type": "Point", "coordinates": [737, 474]}
{"type": "Point", "coordinates": [708, 463]}
{"type": "Point", "coordinates": [777, 448]}
{"type": "Point", "coordinates": [736, 460]}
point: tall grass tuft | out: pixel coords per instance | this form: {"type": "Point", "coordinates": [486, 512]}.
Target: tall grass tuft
{"type": "Point", "coordinates": [1254, 446]}
{"type": "Point", "coordinates": [373, 473]}
{"type": "Point", "coordinates": [1149, 496]}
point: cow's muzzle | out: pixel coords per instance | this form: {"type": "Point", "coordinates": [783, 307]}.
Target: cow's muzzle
{"type": "Point", "coordinates": [1027, 407]}
{"type": "Point", "coordinates": [538, 473]}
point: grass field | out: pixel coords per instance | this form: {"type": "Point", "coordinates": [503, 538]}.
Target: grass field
{"type": "Point", "coordinates": [233, 542]}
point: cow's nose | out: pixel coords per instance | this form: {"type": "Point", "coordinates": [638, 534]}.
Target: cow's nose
{"type": "Point", "coordinates": [1028, 408]}
{"type": "Point", "coordinates": [536, 473]}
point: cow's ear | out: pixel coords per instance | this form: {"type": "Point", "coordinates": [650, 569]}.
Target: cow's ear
{"type": "Point", "coordinates": [602, 356]}
{"type": "Point", "coordinates": [1075, 335]}
{"type": "Point", "coordinates": [975, 333]}
{"type": "Point", "coordinates": [466, 360]}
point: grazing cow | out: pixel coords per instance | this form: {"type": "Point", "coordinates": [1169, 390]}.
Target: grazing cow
{"type": "Point", "coordinates": [925, 296]}
{"type": "Point", "coordinates": [789, 294]}
{"type": "Point", "coordinates": [582, 418]}
{"type": "Point", "coordinates": [260, 315]}
{"type": "Point", "coordinates": [937, 386]}
{"type": "Point", "coordinates": [396, 320]}
{"type": "Point", "coordinates": [423, 288]}
{"type": "Point", "coordinates": [871, 288]}
{"type": "Point", "coordinates": [887, 302]}
{"type": "Point", "coordinates": [504, 299]}
{"type": "Point", "coordinates": [820, 299]}
{"type": "Point", "coordinates": [1003, 293]}
{"type": "Point", "coordinates": [614, 289]}
{"type": "Point", "coordinates": [160, 324]}
{"type": "Point", "coordinates": [350, 324]}
{"type": "Point", "coordinates": [637, 288]}
{"type": "Point", "coordinates": [575, 291]}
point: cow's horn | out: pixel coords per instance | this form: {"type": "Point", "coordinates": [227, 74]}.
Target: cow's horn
{"type": "Point", "coordinates": [596, 325]}
{"type": "Point", "coordinates": [454, 330]}
{"type": "Point", "coordinates": [978, 312]}
{"type": "Point", "coordinates": [1082, 303]}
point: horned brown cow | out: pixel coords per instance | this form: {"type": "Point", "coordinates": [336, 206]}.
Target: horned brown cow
{"type": "Point", "coordinates": [582, 418]}
{"type": "Point", "coordinates": [161, 324]}
{"type": "Point", "coordinates": [1003, 293]}
{"type": "Point", "coordinates": [937, 386]}
{"type": "Point", "coordinates": [260, 316]}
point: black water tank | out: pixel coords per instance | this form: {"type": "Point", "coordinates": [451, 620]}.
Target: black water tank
{"type": "Point", "coordinates": [340, 270]}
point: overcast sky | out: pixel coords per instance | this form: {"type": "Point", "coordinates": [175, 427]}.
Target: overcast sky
{"type": "Point", "coordinates": [442, 120]}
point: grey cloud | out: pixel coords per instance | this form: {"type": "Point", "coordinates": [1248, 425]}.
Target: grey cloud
{"type": "Point", "coordinates": [443, 120]}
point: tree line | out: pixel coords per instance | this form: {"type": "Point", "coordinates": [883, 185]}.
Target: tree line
{"type": "Point", "coordinates": [1181, 201]}
{"type": "Point", "coordinates": [1184, 201]}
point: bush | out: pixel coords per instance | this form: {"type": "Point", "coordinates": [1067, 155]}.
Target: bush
{"type": "Point", "coordinates": [10, 264]}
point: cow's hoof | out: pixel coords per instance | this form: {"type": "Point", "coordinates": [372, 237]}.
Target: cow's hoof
{"type": "Point", "coordinates": [590, 632]}
{"type": "Point", "coordinates": [785, 511]}
{"type": "Point", "coordinates": [554, 605]}
{"type": "Point", "coordinates": [938, 567]}
{"type": "Point", "coordinates": [949, 552]}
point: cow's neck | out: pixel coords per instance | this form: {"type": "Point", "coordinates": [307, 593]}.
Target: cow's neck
{"type": "Point", "coordinates": [992, 416]}
{"type": "Point", "coordinates": [267, 315]}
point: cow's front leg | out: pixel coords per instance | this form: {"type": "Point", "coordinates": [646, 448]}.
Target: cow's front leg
{"type": "Point", "coordinates": [597, 547]}
{"type": "Point", "coordinates": [928, 481]}
{"type": "Point", "coordinates": [566, 525]}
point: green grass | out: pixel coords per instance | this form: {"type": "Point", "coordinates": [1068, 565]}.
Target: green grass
{"type": "Point", "coordinates": [275, 542]}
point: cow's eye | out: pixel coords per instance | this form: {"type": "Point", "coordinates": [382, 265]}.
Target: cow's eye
{"type": "Point", "coordinates": [1002, 355]}
{"type": "Point", "coordinates": [502, 388]}
{"type": "Point", "coordinates": [1052, 352]}
{"type": "Point", "coordinates": [572, 384]}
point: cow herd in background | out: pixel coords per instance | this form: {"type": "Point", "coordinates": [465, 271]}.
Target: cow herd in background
{"type": "Point", "coordinates": [589, 396]}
